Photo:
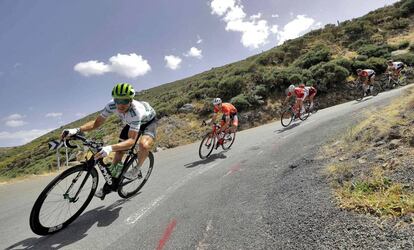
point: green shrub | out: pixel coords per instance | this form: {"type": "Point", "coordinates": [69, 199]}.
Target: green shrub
{"type": "Point", "coordinates": [230, 87]}
{"type": "Point", "coordinates": [411, 48]}
{"type": "Point", "coordinates": [261, 90]}
{"type": "Point", "coordinates": [407, 58]}
{"type": "Point", "coordinates": [359, 65]}
{"type": "Point", "coordinates": [407, 7]}
{"type": "Point", "coordinates": [397, 24]}
{"type": "Point", "coordinates": [240, 102]}
{"type": "Point", "coordinates": [329, 74]}
{"type": "Point", "coordinates": [344, 62]}
{"type": "Point", "coordinates": [361, 58]}
{"type": "Point", "coordinates": [403, 44]}
{"type": "Point", "coordinates": [378, 64]}
{"type": "Point", "coordinates": [372, 50]}
{"type": "Point", "coordinates": [320, 53]}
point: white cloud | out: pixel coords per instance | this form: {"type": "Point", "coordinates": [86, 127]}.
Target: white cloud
{"type": "Point", "coordinates": [257, 16]}
{"type": "Point", "coordinates": [275, 29]}
{"type": "Point", "coordinates": [194, 52]}
{"type": "Point", "coordinates": [91, 68]}
{"type": "Point", "coordinates": [22, 136]}
{"type": "Point", "coordinates": [255, 31]}
{"type": "Point", "coordinates": [131, 66]}
{"type": "Point", "coordinates": [173, 62]}
{"type": "Point", "coordinates": [275, 15]}
{"type": "Point", "coordinates": [53, 115]}
{"type": "Point", "coordinates": [219, 7]}
{"type": "Point", "coordinates": [235, 13]}
{"type": "Point", "coordinates": [295, 28]}
{"type": "Point", "coordinates": [15, 123]}
{"type": "Point", "coordinates": [199, 40]}
{"type": "Point", "coordinates": [14, 117]}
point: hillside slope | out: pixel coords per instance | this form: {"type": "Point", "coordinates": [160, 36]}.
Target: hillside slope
{"type": "Point", "coordinates": [255, 85]}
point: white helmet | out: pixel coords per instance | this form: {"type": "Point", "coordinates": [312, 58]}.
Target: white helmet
{"type": "Point", "coordinates": [291, 88]}
{"type": "Point", "coordinates": [217, 101]}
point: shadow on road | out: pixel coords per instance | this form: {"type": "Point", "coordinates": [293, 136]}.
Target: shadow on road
{"type": "Point", "coordinates": [363, 100]}
{"type": "Point", "coordinates": [212, 158]}
{"type": "Point", "coordinates": [288, 128]}
{"type": "Point", "coordinates": [75, 231]}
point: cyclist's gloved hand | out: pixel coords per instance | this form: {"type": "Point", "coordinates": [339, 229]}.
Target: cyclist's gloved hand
{"type": "Point", "coordinates": [69, 132]}
{"type": "Point", "coordinates": [105, 151]}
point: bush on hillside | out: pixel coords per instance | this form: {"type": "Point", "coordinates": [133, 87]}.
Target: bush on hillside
{"type": "Point", "coordinates": [403, 44]}
{"type": "Point", "coordinates": [378, 64]}
{"type": "Point", "coordinates": [240, 102]}
{"type": "Point", "coordinates": [329, 74]}
{"type": "Point", "coordinates": [372, 50]}
{"type": "Point", "coordinates": [407, 58]}
{"type": "Point", "coordinates": [320, 53]}
{"type": "Point", "coordinates": [230, 87]}
{"type": "Point", "coordinates": [358, 29]}
{"type": "Point", "coordinates": [344, 62]}
{"type": "Point", "coordinates": [407, 7]}
{"type": "Point", "coordinates": [397, 24]}
{"type": "Point", "coordinates": [411, 48]}
{"type": "Point", "coordinates": [261, 90]}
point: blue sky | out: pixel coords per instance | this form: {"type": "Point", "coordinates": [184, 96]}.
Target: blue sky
{"type": "Point", "coordinates": [60, 59]}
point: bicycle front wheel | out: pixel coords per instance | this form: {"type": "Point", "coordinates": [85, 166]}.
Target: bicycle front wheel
{"type": "Point", "coordinates": [402, 81]}
{"type": "Point", "coordinates": [286, 118]}
{"type": "Point", "coordinates": [129, 187]}
{"type": "Point", "coordinates": [207, 145]}
{"type": "Point", "coordinates": [63, 200]}
{"type": "Point", "coordinates": [228, 140]}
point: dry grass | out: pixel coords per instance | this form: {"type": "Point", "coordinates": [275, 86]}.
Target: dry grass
{"type": "Point", "coordinates": [362, 184]}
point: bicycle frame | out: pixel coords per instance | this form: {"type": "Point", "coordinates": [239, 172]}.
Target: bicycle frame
{"type": "Point", "coordinates": [91, 162]}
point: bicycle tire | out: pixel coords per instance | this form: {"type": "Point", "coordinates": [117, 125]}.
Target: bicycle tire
{"type": "Point", "coordinates": [36, 225]}
{"type": "Point", "coordinates": [286, 117]}
{"type": "Point", "coordinates": [402, 81]}
{"type": "Point", "coordinates": [233, 138]}
{"type": "Point", "coordinates": [209, 147]}
{"type": "Point", "coordinates": [305, 115]}
{"type": "Point", "coordinates": [123, 182]}
{"type": "Point", "coordinates": [359, 93]}
{"type": "Point", "coordinates": [375, 89]}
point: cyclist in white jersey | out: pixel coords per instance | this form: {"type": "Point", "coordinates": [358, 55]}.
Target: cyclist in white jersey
{"type": "Point", "coordinates": [394, 68]}
{"type": "Point", "coordinates": [137, 117]}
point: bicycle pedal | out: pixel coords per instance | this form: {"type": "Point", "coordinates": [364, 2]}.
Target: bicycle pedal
{"type": "Point", "coordinates": [139, 175]}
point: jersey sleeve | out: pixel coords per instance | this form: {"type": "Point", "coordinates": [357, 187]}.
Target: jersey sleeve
{"type": "Point", "coordinates": [108, 110]}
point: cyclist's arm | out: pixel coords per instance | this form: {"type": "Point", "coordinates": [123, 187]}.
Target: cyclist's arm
{"type": "Point", "coordinates": [93, 124]}
{"type": "Point", "coordinates": [127, 144]}
{"type": "Point", "coordinates": [286, 99]}
{"type": "Point", "coordinates": [213, 119]}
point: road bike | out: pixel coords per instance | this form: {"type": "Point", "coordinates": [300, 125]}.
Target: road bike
{"type": "Point", "coordinates": [69, 193]}
{"type": "Point", "coordinates": [213, 140]}
{"type": "Point", "coordinates": [389, 81]}
{"type": "Point", "coordinates": [289, 114]}
{"type": "Point", "coordinates": [360, 93]}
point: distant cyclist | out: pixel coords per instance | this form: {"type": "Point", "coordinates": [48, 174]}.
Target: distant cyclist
{"type": "Point", "coordinates": [367, 77]}
{"type": "Point", "coordinates": [229, 120]}
{"type": "Point", "coordinates": [394, 68]}
{"type": "Point", "coordinates": [310, 93]}
{"type": "Point", "coordinates": [137, 116]}
{"type": "Point", "coordinates": [299, 93]}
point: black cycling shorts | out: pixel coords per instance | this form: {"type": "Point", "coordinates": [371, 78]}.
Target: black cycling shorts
{"type": "Point", "coordinates": [147, 129]}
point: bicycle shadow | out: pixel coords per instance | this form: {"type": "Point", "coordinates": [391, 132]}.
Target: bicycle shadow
{"type": "Point", "coordinates": [212, 158]}
{"type": "Point", "coordinates": [293, 125]}
{"type": "Point", "coordinates": [363, 100]}
{"type": "Point", "coordinates": [75, 231]}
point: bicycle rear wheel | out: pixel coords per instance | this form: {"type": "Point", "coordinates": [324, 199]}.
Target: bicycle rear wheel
{"type": "Point", "coordinates": [287, 117]}
{"type": "Point", "coordinates": [129, 187]}
{"type": "Point", "coordinates": [56, 207]}
{"type": "Point", "coordinates": [228, 140]}
{"type": "Point", "coordinates": [375, 89]}
{"type": "Point", "coordinates": [207, 145]}
{"type": "Point", "coordinates": [359, 93]}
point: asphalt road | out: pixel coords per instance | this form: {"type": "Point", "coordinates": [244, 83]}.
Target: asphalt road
{"type": "Point", "coordinates": [267, 192]}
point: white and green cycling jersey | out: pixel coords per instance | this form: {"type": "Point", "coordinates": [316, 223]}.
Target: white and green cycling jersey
{"type": "Point", "coordinates": [138, 114]}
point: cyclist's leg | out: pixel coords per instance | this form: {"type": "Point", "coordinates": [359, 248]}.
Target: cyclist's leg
{"type": "Point", "coordinates": [234, 124]}
{"type": "Point", "coordinates": [146, 141]}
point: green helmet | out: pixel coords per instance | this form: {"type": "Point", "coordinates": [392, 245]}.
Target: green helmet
{"type": "Point", "coordinates": [123, 91]}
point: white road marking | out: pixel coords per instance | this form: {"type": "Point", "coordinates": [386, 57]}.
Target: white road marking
{"type": "Point", "coordinates": [156, 202]}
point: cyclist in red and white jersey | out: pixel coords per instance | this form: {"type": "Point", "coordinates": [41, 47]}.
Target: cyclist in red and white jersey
{"type": "Point", "coordinates": [367, 77]}
{"type": "Point", "coordinates": [310, 93]}
{"type": "Point", "coordinates": [299, 93]}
